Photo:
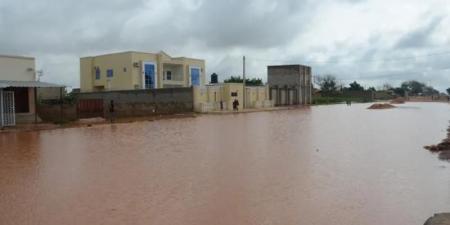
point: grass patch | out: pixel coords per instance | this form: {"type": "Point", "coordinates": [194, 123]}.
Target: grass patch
{"type": "Point", "coordinates": [338, 100]}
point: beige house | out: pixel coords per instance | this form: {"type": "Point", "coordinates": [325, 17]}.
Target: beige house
{"type": "Point", "coordinates": [139, 70]}
{"type": "Point", "coordinates": [220, 97]}
{"type": "Point", "coordinates": [18, 88]}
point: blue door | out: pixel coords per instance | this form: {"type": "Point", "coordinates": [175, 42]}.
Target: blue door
{"type": "Point", "coordinates": [195, 76]}
{"type": "Point", "coordinates": [149, 76]}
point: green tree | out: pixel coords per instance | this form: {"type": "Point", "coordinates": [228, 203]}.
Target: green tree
{"type": "Point", "coordinates": [327, 84]}
{"type": "Point", "coordinates": [372, 89]}
{"type": "Point", "coordinates": [387, 87]}
{"type": "Point", "coordinates": [248, 82]}
{"type": "Point", "coordinates": [413, 87]}
{"type": "Point", "coordinates": [355, 87]}
{"type": "Point", "coordinates": [428, 91]}
{"type": "Point", "coordinates": [399, 91]}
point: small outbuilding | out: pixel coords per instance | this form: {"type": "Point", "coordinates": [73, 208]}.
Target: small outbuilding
{"type": "Point", "coordinates": [290, 84]}
{"type": "Point", "coordinates": [18, 90]}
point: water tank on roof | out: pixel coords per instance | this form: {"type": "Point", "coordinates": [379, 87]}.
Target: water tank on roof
{"type": "Point", "coordinates": [214, 78]}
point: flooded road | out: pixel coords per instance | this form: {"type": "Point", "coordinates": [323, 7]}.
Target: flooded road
{"type": "Point", "coordinates": [323, 165]}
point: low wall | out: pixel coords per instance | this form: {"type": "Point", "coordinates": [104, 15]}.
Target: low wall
{"type": "Point", "coordinates": [429, 99]}
{"type": "Point", "coordinates": [366, 95]}
{"type": "Point", "coordinates": [54, 112]}
{"type": "Point", "coordinates": [383, 95]}
{"type": "Point", "coordinates": [136, 103]}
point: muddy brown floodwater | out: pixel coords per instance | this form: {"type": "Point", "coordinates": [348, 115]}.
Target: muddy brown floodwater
{"type": "Point", "coordinates": [323, 165]}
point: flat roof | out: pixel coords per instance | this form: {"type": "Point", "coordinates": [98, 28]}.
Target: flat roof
{"type": "Point", "coordinates": [16, 57]}
{"type": "Point", "coordinates": [290, 65]}
{"type": "Point", "coordinates": [140, 52]}
{"type": "Point", "coordinates": [39, 84]}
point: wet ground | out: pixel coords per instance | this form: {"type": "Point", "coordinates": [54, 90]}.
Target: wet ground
{"type": "Point", "coordinates": [323, 165]}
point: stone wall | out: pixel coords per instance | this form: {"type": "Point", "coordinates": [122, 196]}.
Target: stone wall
{"type": "Point", "coordinates": [135, 103]}
{"type": "Point", "coordinates": [56, 113]}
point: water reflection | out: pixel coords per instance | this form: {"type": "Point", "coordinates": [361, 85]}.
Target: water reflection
{"type": "Point", "coordinates": [322, 165]}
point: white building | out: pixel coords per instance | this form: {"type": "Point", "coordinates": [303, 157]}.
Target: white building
{"type": "Point", "coordinates": [18, 87]}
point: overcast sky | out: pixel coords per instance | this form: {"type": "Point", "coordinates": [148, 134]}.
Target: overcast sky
{"type": "Point", "coordinates": [372, 41]}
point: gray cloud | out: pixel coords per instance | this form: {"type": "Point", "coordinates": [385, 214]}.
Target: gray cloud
{"type": "Point", "coordinates": [419, 37]}
{"type": "Point", "coordinates": [354, 39]}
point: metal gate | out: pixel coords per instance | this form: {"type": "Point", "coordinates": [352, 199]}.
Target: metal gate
{"type": "Point", "coordinates": [7, 112]}
{"type": "Point", "coordinates": [90, 108]}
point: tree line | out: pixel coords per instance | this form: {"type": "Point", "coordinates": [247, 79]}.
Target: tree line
{"type": "Point", "coordinates": [328, 85]}
{"type": "Point", "coordinates": [248, 82]}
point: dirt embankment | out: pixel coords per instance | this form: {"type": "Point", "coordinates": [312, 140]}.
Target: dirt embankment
{"type": "Point", "coordinates": [398, 101]}
{"type": "Point", "coordinates": [442, 148]}
{"type": "Point", "coordinates": [381, 106]}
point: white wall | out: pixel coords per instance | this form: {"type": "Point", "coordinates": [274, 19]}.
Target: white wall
{"type": "Point", "coordinates": [17, 68]}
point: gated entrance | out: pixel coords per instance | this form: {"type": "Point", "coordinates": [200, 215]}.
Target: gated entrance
{"type": "Point", "coordinates": [7, 109]}
{"type": "Point", "coordinates": [90, 108]}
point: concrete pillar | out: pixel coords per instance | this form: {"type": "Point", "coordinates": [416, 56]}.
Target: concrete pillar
{"type": "Point", "coordinates": [278, 96]}
{"type": "Point", "coordinates": [288, 96]}
{"type": "Point", "coordinates": [300, 95]}
{"type": "Point", "coordinates": [1, 108]}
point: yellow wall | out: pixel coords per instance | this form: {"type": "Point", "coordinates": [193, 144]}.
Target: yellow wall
{"type": "Point", "coordinates": [132, 77]}
{"type": "Point", "coordinates": [230, 88]}
{"type": "Point", "coordinates": [204, 101]}
{"type": "Point", "coordinates": [86, 74]}
{"type": "Point", "coordinates": [17, 68]}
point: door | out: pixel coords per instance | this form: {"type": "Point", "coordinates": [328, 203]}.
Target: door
{"type": "Point", "coordinates": [274, 96]}
{"type": "Point", "coordinates": [21, 100]}
{"type": "Point", "coordinates": [283, 97]}
{"type": "Point", "coordinates": [90, 108]}
{"type": "Point", "coordinates": [291, 97]}
{"type": "Point", "coordinates": [195, 76]}
{"type": "Point", "coordinates": [150, 76]}
{"type": "Point", "coordinates": [7, 108]}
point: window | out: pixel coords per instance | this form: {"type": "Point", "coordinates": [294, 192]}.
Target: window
{"type": "Point", "coordinates": [169, 75]}
{"type": "Point", "coordinates": [97, 73]}
{"type": "Point", "coordinates": [109, 73]}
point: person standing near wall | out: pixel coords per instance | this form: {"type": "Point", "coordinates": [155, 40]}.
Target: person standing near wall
{"type": "Point", "coordinates": [111, 111]}
{"type": "Point", "coordinates": [236, 105]}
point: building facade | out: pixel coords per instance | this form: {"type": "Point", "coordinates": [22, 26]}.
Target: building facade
{"type": "Point", "coordinates": [139, 70]}
{"type": "Point", "coordinates": [220, 97]}
{"type": "Point", "coordinates": [290, 84]}
{"type": "Point", "coordinates": [18, 88]}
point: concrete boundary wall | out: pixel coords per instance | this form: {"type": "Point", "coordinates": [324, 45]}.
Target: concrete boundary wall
{"type": "Point", "coordinates": [135, 103]}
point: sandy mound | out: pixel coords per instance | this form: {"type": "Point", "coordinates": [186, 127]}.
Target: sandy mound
{"type": "Point", "coordinates": [398, 101]}
{"type": "Point", "coordinates": [443, 148]}
{"type": "Point", "coordinates": [91, 120]}
{"type": "Point", "coordinates": [381, 106]}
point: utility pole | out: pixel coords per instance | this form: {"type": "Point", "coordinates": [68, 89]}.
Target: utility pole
{"type": "Point", "coordinates": [243, 78]}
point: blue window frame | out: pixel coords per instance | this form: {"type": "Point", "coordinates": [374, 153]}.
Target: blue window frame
{"type": "Point", "coordinates": [149, 76]}
{"type": "Point", "coordinates": [97, 73]}
{"type": "Point", "coordinates": [110, 73]}
{"type": "Point", "coordinates": [195, 76]}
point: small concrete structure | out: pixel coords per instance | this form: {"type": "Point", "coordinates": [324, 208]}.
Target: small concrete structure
{"type": "Point", "coordinates": [439, 219]}
{"type": "Point", "coordinates": [18, 90]}
{"type": "Point", "coordinates": [290, 84]}
{"type": "Point", "coordinates": [220, 97]}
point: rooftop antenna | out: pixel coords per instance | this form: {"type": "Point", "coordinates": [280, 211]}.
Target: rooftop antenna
{"type": "Point", "coordinates": [39, 74]}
